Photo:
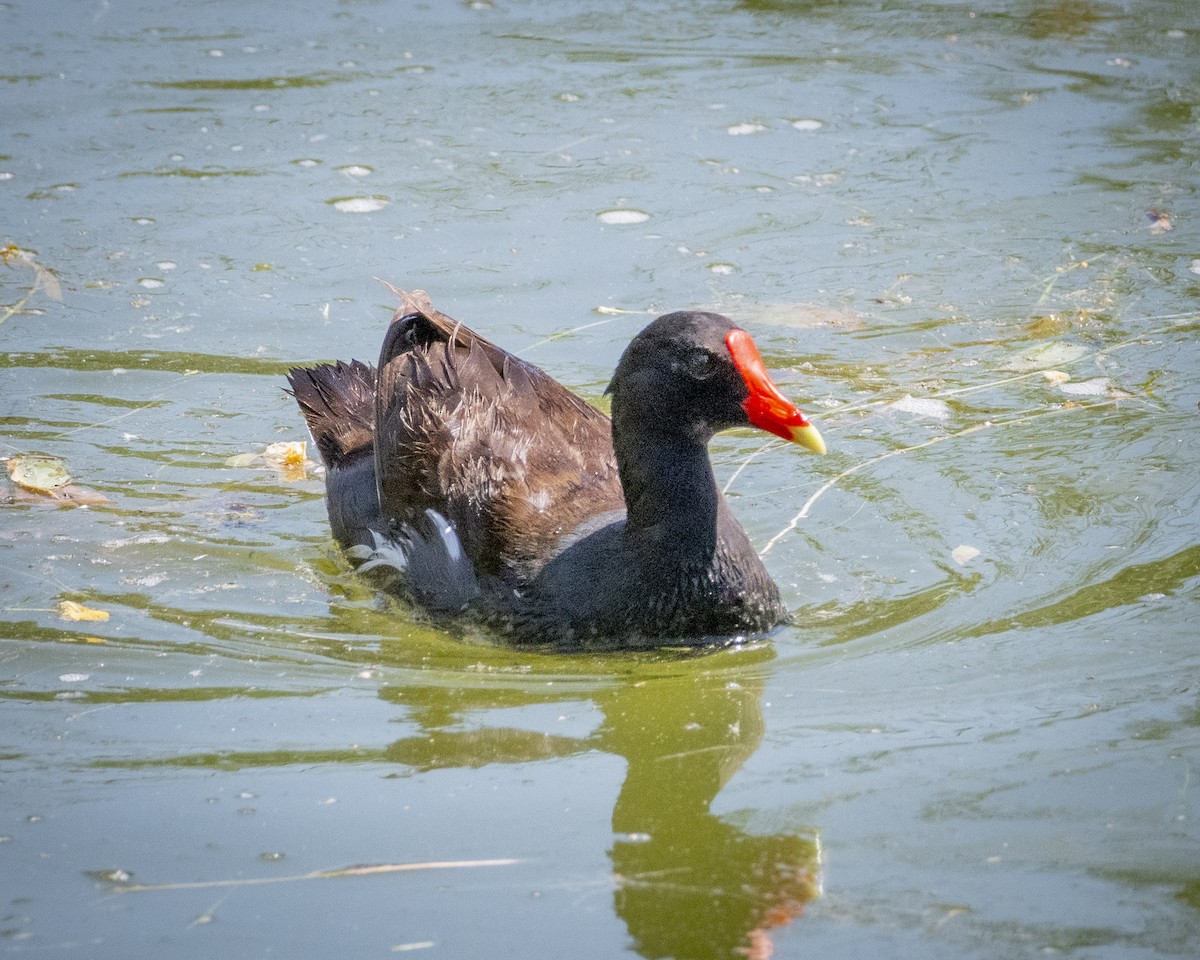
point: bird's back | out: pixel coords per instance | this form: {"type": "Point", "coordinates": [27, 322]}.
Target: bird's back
{"type": "Point", "coordinates": [503, 452]}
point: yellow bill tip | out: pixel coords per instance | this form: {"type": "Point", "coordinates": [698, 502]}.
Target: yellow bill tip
{"type": "Point", "coordinates": [808, 437]}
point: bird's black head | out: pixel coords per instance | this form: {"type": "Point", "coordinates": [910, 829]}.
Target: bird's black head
{"type": "Point", "coordinates": [693, 374]}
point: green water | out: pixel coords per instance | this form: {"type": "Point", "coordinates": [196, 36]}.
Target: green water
{"type": "Point", "coordinates": [966, 240]}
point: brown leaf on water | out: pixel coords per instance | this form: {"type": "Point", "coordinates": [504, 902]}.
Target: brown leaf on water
{"type": "Point", "coordinates": [73, 493]}
{"type": "Point", "coordinates": [70, 610]}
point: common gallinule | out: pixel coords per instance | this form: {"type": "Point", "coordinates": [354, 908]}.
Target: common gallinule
{"type": "Point", "coordinates": [498, 492]}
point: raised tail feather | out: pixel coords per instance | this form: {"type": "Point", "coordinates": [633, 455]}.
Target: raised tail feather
{"type": "Point", "coordinates": [338, 403]}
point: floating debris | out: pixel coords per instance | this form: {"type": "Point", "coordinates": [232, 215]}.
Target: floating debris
{"type": "Point", "coordinates": [622, 217]}
{"type": "Point", "coordinates": [76, 612]}
{"type": "Point", "coordinates": [43, 279]}
{"type": "Point", "coordinates": [38, 472]}
{"type": "Point", "coordinates": [1160, 222]}
{"type": "Point", "coordinates": [359, 204]}
{"type": "Point", "coordinates": [1047, 357]}
{"type": "Point", "coordinates": [112, 876]}
{"type": "Point", "coordinates": [962, 554]}
{"type": "Point", "coordinates": [38, 476]}
{"type": "Point", "coordinates": [363, 870]}
{"type": "Point", "coordinates": [817, 179]}
{"type": "Point", "coordinates": [288, 458]}
{"type": "Point", "coordinates": [1096, 387]}
{"type": "Point", "coordinates": [922, 406]}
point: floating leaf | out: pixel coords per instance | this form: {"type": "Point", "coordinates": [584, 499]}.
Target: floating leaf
{"type": "Point", "coordinates": [1050, 356]}
{"type": "Point", "coordinates": [962, 554]}
{"type": "Point", "coordinates": [38, 472]}
{"type": "Point", "coordinates": [39, 476]}
{"type": "Point", "coordinates": [70, 610]}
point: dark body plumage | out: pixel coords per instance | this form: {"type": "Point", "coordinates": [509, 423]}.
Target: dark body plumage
{"type": "Point", "coordinates": [499, 492]}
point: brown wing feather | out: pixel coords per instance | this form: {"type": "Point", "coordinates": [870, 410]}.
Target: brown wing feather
{"type": "Point", "coordinates": [501, 449]}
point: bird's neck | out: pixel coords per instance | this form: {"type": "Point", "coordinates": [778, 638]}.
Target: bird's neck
{"type": "Point", "coordinates": [670, 490]}
{"type": "Point", "coordinates": [693, 561]}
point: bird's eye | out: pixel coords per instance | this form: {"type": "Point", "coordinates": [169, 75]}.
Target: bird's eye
{"type": "Point", "coordinates": [699, 364]}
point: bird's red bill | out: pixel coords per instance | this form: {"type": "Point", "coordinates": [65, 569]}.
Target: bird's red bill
{"type": "Point", "coordinates": [767, 408]}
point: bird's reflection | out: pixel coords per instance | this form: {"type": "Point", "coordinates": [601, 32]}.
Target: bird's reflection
{"type": "Point", "coordinates": [689, 884]}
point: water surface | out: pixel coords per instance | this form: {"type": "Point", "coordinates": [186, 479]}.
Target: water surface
{"type": "Point", "coordinates": [966, 241]}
